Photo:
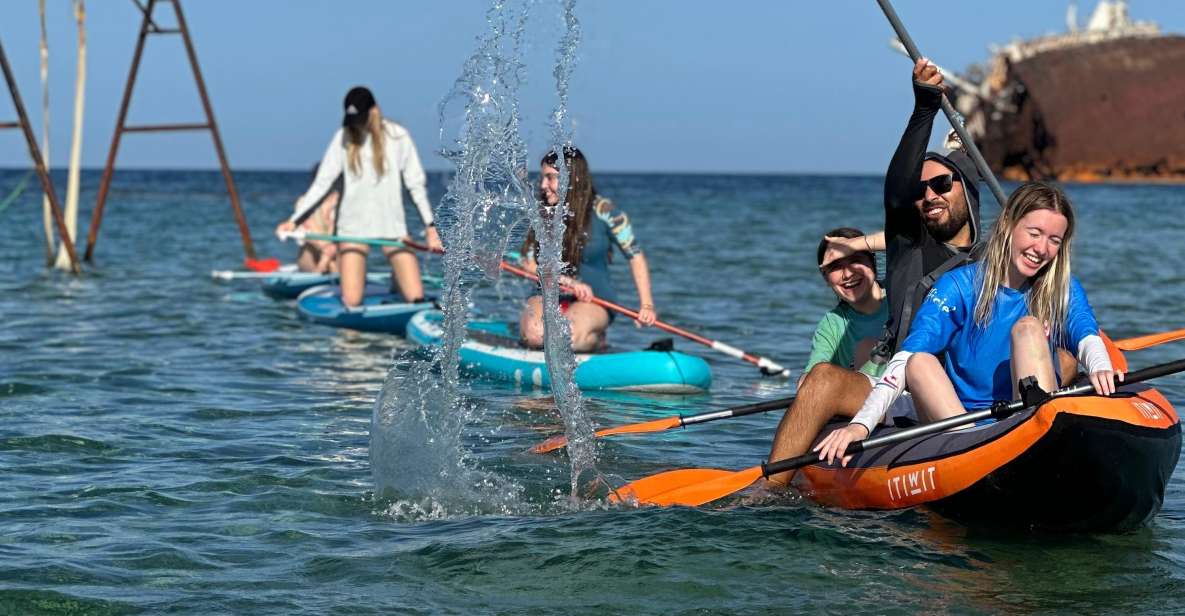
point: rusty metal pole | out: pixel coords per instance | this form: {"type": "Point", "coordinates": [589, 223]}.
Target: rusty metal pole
{"type": "Point", "coordinates": [92, 236]}
{"type": "Point", "coordinates": [244, 231]}
{"type": "Point", "coordinates": [35, 153]}
{"type": "Point", "coordinates": [149, 27]}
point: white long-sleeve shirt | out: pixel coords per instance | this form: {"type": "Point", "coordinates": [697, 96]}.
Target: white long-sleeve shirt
{"type": "Point", "coordinates": [372, 206]}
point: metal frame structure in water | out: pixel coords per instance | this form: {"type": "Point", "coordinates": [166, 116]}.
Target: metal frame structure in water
{"type": "Point", "coordinates": [148, 26]}
{"type": "Point", "coordinates": [38, 162]}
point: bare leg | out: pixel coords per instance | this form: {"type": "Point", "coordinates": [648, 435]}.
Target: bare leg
{"type": "Point", "coordinates": [827, 391]}
{"type": "Point", "coordinates": [589, 322]}
{"type": "Point", "coordinates": [530, 323]}
{"type": "Point", "coordinates": [326, 261]}
{"type": "Point", "coordinates": [1030, 355]}
{"type": "Point", "coordinates": [406, 270]}
{"type": "Point", "coordinates": [1068, 366]}
{"type": "Point", "coordinates": [352, 263]}
{"type": "Point", "coordinates": [933, 393]}
{"type": "Point", "coordinates": [306, 258]}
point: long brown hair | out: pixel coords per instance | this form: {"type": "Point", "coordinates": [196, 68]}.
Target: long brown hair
{"type": "Point", "coordinates": [1048, 297]}
{"type": "Point", "coordinates": [355, 137]}
{"type": "Point", "coordinates": [580, 199]}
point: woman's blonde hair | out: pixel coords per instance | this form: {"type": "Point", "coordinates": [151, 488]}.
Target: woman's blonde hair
{"type": "Point", "coordinates": [356, 138]}
{"type": "Point", "coordinates": [1048, 296]}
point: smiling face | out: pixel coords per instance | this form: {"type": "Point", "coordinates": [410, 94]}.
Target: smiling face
{"type": "Point", "coordinates": [944, 214]}
{"type": "Point", "coordinates": [550, 183]}
{"type": "Point", "coordinates": [850, 277]}
{"type": "Point", "coordinates": [1036, 240]}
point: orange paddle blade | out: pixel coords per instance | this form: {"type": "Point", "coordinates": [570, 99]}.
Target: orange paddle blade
{"type": "Point", "coordinates": [689, 486]}
{"type": "Point", "coordinates": [658, 425]}
{"type": "Point", "coordinates": [1143, 342]}
{"type": "Point", "coordinates": [550, 444]}
{"type": "Point", "coordinates": [262, 265]}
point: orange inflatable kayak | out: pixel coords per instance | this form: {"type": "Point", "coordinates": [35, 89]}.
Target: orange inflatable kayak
{"type": "Point", "coordinates": [1073, 464]}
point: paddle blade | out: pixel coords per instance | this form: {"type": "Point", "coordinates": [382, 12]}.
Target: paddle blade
{"type": "Point", "coordinates": [658, 425]}
{"type": "Point", "coordinates": [689, 487]}
{"type": "Point", "coordinates": [1151, 340]}
{"type": "Point", "coordinates": [551, 444]}
{"type": "Point", "coordinates": [262, 265]}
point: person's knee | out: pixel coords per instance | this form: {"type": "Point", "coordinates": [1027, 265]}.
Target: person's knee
{"type": "Point", "coordinates": [1028, 328]}
{"type": "Point", "coordinates": [919, 365]}
{"type": "Point", "coordinates": [822, 378]}
{"type": "Point", "coordinates": [532, 333]}
{"type": "Point", "coordinates": [530, 324]}
{"type": "Point", "coordinates": [580, 334]}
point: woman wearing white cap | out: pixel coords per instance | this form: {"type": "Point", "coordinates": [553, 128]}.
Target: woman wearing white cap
{"type": "Point", "coordinates": [378, 160]}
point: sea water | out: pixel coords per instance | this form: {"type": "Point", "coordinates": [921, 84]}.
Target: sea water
{"type": "Point", "coordinates": [420, 462]}
{"type": "Point", "coordinates": [170, 443]}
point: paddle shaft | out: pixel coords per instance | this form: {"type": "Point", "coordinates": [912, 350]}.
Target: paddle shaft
{"type": "Point", "coordinates": [354, 240]}
{"type": "Point", "coordinates": [781, 466]}
{"type": "Point", "coordinates": [233, 275]}
{"type": "Point", "coordinates": [767, 366]}
{"type": "Point", "coordinates": [953, 116]}
{"type": "Point", "coordinates": [737, 411]}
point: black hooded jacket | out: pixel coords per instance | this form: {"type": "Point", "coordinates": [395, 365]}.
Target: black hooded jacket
{"type": "Point", "coordinates": [914, 258]}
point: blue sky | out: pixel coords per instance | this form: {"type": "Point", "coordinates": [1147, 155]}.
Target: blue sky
{"type": "Point", "coordinates": [763, 86]}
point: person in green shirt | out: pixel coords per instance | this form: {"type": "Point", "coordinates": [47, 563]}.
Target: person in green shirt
{"type": "Point", "coordinates": [846, 334]}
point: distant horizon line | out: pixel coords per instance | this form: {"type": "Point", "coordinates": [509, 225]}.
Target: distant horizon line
{"type": "Point", "coordinates": [443, 171]}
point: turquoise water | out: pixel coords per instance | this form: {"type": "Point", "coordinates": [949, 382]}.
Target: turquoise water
{"type": "Point", "coordinates": [174, 444]}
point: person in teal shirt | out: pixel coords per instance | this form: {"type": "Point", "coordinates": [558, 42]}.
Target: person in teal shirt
{"type": "Point", "coordinates": [593, 227]}
{"type": "Point", "coordinates": [846, 334]}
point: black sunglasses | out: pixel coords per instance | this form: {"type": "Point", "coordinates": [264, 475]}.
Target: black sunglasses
{"type": "Point", "coordinates": [940, 184]}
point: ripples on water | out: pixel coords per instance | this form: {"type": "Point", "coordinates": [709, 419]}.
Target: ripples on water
{"type": "Point", "coordinates": [170, 443]}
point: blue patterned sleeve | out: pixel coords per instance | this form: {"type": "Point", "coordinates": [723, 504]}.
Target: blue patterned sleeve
{"type": "Point", "coordinates": [1080, 319]}
{"type": "Point", "coordinates": [942, 313]}
{"type": "Point", "coordinates": [619, 228]}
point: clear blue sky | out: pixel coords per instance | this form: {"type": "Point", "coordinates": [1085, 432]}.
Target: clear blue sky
{"type": "Point", "coordinates": [763, 86]}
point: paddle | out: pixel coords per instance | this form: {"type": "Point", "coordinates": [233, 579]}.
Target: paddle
{"type": "Point", "coordinates": [952, 116]}
{"type": "Point", "coordinates": [290, 273]}
{"type": "Point", "coordinates": [301, 234]}
{"type": "Point", "coordinates": [1151, 340]}
{"type": "Point", "coordinates": [767, 366]}
{"type": "Point", "coordinates": [678, 421]}
{"type": "Point", "coordinates": [674, 421]}
{"type": "Point", "coordinates": [270, 264]}
{"type": "Point", "coordinates": [235, 275]}
{"type": "Point", "coordinates": [697, 486]}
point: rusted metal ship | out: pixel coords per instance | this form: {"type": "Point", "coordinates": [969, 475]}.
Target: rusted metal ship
{"type": "Point", "coordinates": [1101, 103]}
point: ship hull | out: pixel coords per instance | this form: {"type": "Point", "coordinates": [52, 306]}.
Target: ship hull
{"type": "Point", "coordinates": [1111, 110]}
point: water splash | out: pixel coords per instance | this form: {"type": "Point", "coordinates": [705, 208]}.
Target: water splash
{"type": "Point", "coordinates": [561, 362]}
{"type": "Point", "coordinates": [418, 452]}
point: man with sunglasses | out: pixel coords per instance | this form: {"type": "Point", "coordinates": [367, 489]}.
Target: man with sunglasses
{"type": "Point", "coordinates": [931, 226]}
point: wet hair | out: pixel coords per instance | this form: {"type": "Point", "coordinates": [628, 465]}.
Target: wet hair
{"type": "Point", "coordinates": [848, 232]}
{"type": "Point", "coordinates": [1048, 297]}
{"type": "Point", "coordinates": [580, 198]}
